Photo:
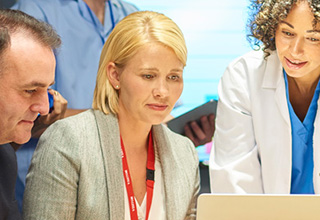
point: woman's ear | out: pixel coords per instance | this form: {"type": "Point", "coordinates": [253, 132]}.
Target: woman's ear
{"type": "Point", "coordinates": [113, 75]}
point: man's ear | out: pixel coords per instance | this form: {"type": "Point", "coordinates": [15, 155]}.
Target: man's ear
{"type": "Point", "coordinates": [113, 75]}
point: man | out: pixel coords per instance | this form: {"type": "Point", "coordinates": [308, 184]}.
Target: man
{"type": "Point", "coordinates": [84, 26]}
{"type": "Point", "coordinates": [27, 66]}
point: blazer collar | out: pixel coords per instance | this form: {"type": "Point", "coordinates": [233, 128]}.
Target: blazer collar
{"type": "Point", "coordinates": [111, 151]}
{"type": "Point", "coordinates": [170, 172]}
{"type": "Point", "coordinates": [109, 134]}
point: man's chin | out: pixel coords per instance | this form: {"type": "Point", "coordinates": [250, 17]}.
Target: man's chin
{"type": "Point", "coordinates": [22, 139]}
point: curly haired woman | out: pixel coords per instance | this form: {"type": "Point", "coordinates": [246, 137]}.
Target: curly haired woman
{"type": "Point", "coordinates": [267, 137]}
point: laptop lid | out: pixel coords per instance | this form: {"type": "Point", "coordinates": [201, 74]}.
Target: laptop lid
{"type": "Point", "coordinates": [258, 207]}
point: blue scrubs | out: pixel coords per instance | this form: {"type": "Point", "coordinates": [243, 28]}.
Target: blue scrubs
{"type": "Point", "coordinates": [302, 145]}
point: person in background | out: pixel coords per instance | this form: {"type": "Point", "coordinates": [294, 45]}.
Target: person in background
{"type": "Point", "coordinates": [201, 134]}
{"type": "Point", "coordinates": [267, 137]}
{"type": "Point", "coordinates": [84, 26]}
{"type": "Point", "coordinates": [7, 4]}
{"type": "Point", "coordinates": [27, 65]}
{"type": "Point", "coordinates": [117, 161]}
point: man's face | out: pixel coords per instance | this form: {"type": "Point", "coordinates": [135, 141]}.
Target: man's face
{"type": "Point", "coordinates": [26, 73]}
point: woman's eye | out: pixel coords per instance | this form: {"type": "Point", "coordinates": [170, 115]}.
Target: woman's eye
{"type": "Point", "coordinates": [174, 77]}
{"type": "Point", "coordinates": [287, 33]}
{"type": "Point", "coordinates": [148, 76]}
{"type": "Point", "coordinates": [314, 39]}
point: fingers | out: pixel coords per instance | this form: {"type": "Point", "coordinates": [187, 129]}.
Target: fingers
{"type": "Point", "coordinates": [59, 105]}
{"type": "Point", "coordinates": [188, 132]}
{"type": "Point", "coordinates": [207, 124]}
{"type": "Point", "coordinates": [59, 108]}
{"type": "Point", "coordinates": [201, 135]}
{"type": "Point", "coordinates": [212, 122]}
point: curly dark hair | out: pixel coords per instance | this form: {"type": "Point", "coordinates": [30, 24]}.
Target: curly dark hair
{"type": "Point", "coordinates": [265, 16]}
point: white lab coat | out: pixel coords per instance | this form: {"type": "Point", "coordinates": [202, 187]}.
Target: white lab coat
{"type": "Point", "coordinates": [252, 147]}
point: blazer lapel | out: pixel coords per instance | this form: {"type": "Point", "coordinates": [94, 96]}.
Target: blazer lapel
{"type": "Point", "coordinates": [111, 151]}
{"type": "Point", "coordinates": [169, 173]}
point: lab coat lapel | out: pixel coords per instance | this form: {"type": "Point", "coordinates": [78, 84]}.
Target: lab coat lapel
{"type": "Point", "coordinates": [111, 151]}
{"type": "Point", "coordinates": [274, 80]}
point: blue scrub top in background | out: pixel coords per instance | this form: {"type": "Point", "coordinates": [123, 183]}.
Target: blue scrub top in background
{"type": "Point", "coordinates": [83, 37]}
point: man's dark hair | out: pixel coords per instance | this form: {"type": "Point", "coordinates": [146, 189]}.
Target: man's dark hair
{"type": "Point", "coordinates": [15, 21]}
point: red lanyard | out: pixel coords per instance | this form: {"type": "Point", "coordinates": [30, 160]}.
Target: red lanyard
{"type": "Point", "coordinates": [149, 181]}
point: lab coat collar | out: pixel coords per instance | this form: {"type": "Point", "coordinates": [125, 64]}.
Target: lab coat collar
{"type": "Point", "coordinates": [273, 79]}
{"type": "Point", "coordinates": [272, 76]}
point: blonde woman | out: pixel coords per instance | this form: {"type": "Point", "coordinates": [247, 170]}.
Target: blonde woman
{"type": "Point", "coordinates": [117, 161]}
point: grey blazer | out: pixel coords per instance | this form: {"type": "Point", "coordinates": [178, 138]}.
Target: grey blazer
{"type": "Point", "coordinates": [76, 171]}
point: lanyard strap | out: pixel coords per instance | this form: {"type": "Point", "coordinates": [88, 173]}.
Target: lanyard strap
{"type": "Point", "coordinates": [111, 15]}
{"type": "Point", "coordinates": [149, 181]}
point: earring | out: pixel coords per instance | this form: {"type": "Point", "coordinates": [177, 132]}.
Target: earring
{"type": "Point", "coordinates": [117, 86]}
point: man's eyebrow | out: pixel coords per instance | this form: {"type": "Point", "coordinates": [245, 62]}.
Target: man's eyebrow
{"type": "Point", "coordinates": [37, 84]}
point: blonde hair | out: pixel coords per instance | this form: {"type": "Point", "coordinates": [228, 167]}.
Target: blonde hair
{"type": "Point", "coordinates": [125, 40]}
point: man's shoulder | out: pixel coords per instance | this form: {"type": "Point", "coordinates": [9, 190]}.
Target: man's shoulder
{"type": "Point", "coordinates": [8, 173]}
{"type": "Point", "coordinates": [6, 152]}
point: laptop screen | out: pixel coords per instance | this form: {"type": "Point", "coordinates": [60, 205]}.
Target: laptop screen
{"type": "Point", "coordinates": [258, 207]}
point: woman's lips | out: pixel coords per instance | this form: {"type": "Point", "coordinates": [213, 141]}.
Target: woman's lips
{"type": "Point", "coordinates": [293, 64]}
{"type": "Point", "coordinates": [158, 107]}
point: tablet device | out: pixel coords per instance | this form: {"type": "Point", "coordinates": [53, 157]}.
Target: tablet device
{"type": "Point", "coordinates": [258, 207]}
{"type": "Point", "coordinates": [177, 124]}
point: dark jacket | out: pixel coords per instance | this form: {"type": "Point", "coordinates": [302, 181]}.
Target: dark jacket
{"type": "Point", "coordinates": [8, 174]}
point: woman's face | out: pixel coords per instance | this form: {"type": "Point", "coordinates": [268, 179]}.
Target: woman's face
{"type": "Point", "coordinates": [150, 84]}
{"type": "Point", "coordinates": [298, 43]}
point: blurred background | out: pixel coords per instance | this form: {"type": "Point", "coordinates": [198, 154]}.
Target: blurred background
{"type": "Point", "coordinates": [215, 32]}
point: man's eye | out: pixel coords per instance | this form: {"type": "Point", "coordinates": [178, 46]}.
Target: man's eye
{"type": "Point", "coordinates": [30, 91]}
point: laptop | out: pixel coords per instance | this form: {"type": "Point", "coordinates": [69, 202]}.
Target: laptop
{"type": "Point", "coordinates": [258, 207]}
